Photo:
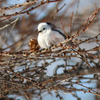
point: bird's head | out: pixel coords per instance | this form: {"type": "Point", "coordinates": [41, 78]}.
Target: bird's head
{"type": "Point", "coordinates": [45, 26]}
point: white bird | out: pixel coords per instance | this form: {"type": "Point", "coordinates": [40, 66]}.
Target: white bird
{"type": "Point", "coordinates": [49, 35]}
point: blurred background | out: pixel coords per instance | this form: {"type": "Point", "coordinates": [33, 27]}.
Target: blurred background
{"type": "Point", "coordinates": [16, 36]}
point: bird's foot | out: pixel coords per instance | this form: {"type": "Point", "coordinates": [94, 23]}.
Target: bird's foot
{"type": "Point", "coordinates": [51, 46]}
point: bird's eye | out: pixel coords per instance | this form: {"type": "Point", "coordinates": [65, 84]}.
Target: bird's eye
{"type": "Point", "coordinates": [43, 28]}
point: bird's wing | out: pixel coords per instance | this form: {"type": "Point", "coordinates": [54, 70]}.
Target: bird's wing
{"type": "Point", "coordinates": [59, 32]}
{"type": "Point", "coordinates": [56, 38]}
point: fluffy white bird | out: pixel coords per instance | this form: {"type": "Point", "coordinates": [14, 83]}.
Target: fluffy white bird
{"type": "Point", "coordinates": [49, 35]}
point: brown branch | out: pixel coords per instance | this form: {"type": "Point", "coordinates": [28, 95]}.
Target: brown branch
{"type": "Point", "coordinates": [19, 13]}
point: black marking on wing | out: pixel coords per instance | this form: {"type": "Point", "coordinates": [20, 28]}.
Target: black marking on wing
{"type": "Point", "coordinates": [60, 33]}
{"type": "Point", "coordinates": [54, 29]}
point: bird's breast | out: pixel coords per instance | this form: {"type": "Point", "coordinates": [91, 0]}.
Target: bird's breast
{"type": "Point", "coordinates": [43, 39]}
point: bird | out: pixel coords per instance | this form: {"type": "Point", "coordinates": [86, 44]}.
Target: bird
{"type": "Point", "coordinates": [49, 35]}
